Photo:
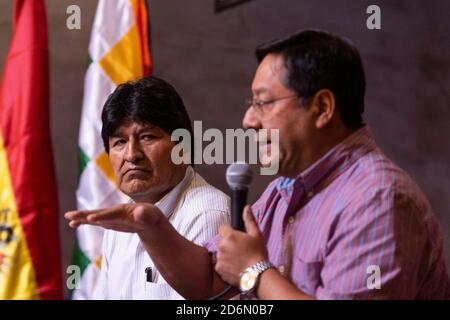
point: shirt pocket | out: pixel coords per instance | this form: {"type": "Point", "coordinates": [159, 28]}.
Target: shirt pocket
{"type": "Point", "coordinates": [305, 274]}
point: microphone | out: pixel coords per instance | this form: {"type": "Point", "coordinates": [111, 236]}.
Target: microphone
{"type": "Point", "coordinates": [239, 177]}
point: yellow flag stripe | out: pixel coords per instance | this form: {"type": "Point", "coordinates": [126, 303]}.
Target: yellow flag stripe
{"type": "Point", "coordinates": [135, 5]}
{"type": "Point", "coordinates": [103, 163]}
{"type": "Point", "coordinates": [124, 62]}
{"type": "Point", "coordinates": [17, 278]}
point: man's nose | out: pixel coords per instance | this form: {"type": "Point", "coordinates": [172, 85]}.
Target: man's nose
{"type": "Point", "coordinates": [251, 120]}
{"type": "Point", "coordinates": [133, 152]}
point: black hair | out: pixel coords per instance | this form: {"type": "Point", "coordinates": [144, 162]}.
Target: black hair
{"type": "Point", "coordinates": [147, 100]}
{"type": "Point", "coordinates": [316, 60]}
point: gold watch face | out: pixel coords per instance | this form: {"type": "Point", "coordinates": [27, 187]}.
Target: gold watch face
{"type": "Point", "coordinates": [248, 280]}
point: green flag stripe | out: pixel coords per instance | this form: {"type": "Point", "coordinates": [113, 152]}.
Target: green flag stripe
{"type": "Point", "coordinates": [79, 259]}
{"type": "Point", "coordinates": [83, 160]}
{"type": "Point", "coordinates": [89, 61]}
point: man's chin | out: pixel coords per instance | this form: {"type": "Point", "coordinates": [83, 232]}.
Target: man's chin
{"type": "Point", "coordinates": [136, 189]}
{"type": "Point", "coordinates": [148, 193]}
{"type": "Point", "coordinates": [141, 197]}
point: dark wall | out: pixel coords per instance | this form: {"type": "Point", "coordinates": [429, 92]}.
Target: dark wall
{"type": "Point", "coordinates": [209, 59]}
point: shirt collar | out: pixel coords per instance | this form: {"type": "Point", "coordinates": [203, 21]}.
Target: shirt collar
{"type": "Point", "coordinates": [168, 203]}
{"type": "Point", "coordinates": [334, 161]}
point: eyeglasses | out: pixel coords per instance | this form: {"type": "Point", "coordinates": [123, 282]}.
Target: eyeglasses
{"type": "Point", "coordinates": [261, 105]}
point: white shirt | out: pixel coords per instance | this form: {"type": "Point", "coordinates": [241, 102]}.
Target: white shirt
{"type": "Point", "coordinates": [194, 208]}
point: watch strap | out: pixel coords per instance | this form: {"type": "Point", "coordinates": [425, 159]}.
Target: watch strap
{"type": "Point", "coordinates": [258, 268]}
{"type": "Point", "coordinates": [262, 266]}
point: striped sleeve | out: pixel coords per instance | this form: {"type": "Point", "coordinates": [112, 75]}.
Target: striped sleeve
{"type": "Point", "coordinates": [200, 228]}
{"type": "Point", "coordinates": [374, 252]}
{"type": "Point", "coordinates": [204, 227]}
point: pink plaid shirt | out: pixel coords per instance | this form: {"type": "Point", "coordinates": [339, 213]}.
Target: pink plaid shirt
{"type": "Point", "coordinates": [353, 226]}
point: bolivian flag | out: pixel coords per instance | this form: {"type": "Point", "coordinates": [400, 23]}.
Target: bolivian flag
{"type": "Point", "coordinates": [30, 259]}
{"type": "Point", "coordinates": [118, 52]}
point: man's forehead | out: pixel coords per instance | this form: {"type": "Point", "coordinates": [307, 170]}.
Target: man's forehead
{"type": "Point", "coordinates": [135, 126]}
{"type": "Point", "coordinates": [270, 73]}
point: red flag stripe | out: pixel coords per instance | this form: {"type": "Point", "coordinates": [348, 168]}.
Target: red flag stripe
{"type": "Point", "coordinates": [24, 122]}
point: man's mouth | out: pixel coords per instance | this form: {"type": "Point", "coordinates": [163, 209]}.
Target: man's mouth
{"type": "Point", "coordinates": [137, 171]}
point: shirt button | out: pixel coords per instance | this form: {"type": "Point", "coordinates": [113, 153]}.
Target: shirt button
{"type": "Point", "coordinates": [281, 269]}
{"type": "Point", "coordinates": [291, 220]}
{"type": "Point", "coordinates": [310, 195]}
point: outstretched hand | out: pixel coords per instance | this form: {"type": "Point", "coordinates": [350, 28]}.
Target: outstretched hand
{"type": "Point", "coordinates": [133, 217]}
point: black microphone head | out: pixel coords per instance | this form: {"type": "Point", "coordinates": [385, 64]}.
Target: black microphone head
{"type": "Point", "coordinates": [239, 175]}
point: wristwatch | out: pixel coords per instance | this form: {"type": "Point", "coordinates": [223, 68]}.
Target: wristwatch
{"type": "Point", "coordinates": [249, 278]}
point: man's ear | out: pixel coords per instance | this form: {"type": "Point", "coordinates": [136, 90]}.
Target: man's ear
{"type": "Point", "coordinates": [324, 105]}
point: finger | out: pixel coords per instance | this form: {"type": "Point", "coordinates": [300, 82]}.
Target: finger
{"type": "Point", "coordinates": [76, 215]}
{"type": "Point", "coordinates": [113, 213]}
{"type": "Point", "coordinates": [82, 215]}
{"type": "Point", "coordinates": [224, 230]}
{"type": "Point", "coordinates": [250, 224]}
{"type": "Point", "coordinates": [147, 215]}
{"type": "Point", "coordinates": [76, 223]}
{"type": "Point", "coordinates": [118, 226]}
{"type": "Point", "coordinates": [76, 218]}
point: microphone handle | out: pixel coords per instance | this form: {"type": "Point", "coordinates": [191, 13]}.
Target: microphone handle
{"type": "Point", "coordinates": [238, 202]}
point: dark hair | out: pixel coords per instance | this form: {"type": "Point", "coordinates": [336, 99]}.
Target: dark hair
{"type": "Point", "coordinates": [317, 60]}
{"type": "Point", "coordinates": [147, 100]}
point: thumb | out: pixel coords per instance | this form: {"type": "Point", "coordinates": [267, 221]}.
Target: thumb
{"type": "Point", "coordinates": [250, 223]}
{"type": "Point", "coordinates": [146, 214]}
